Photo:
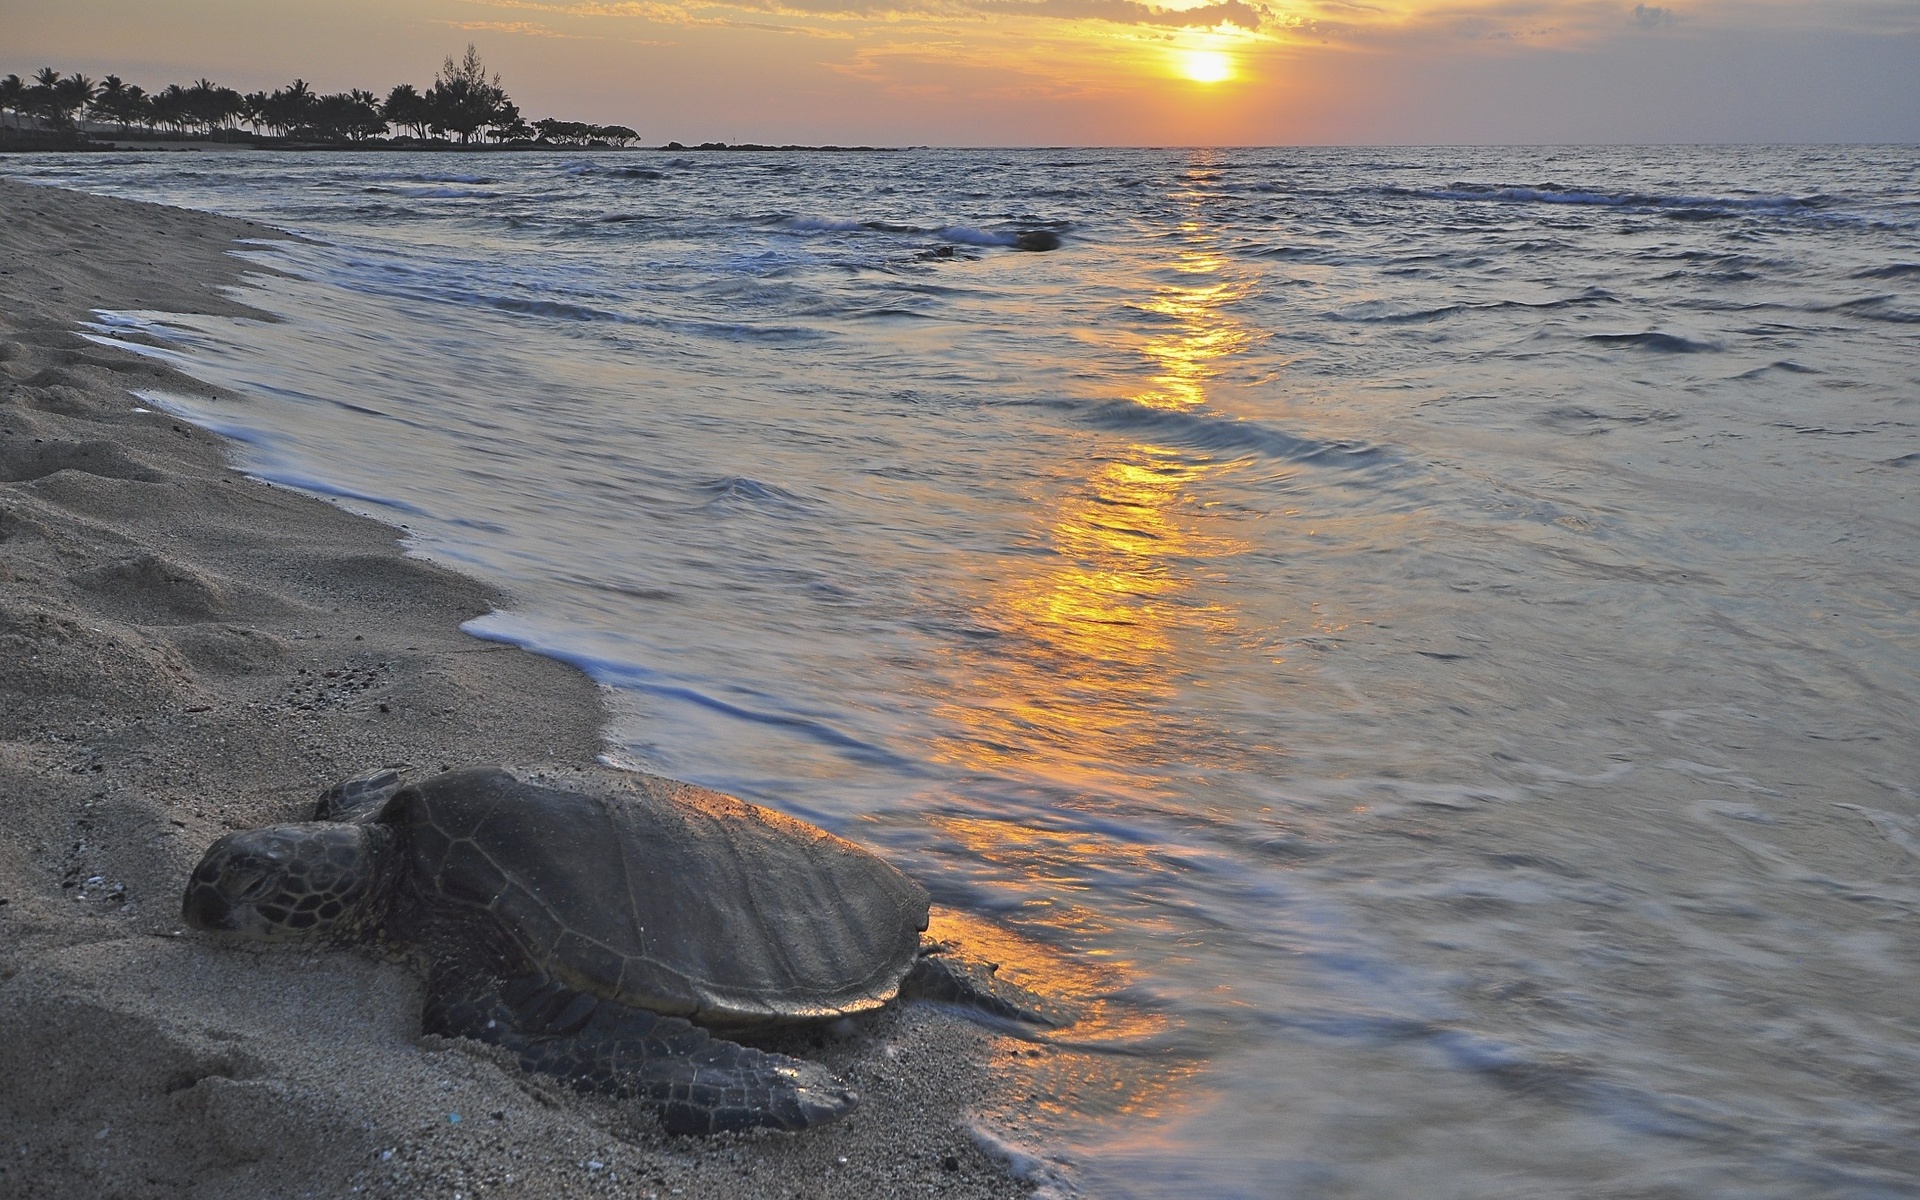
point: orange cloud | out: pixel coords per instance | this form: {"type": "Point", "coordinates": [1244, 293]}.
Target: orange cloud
{"type": "Point", "coordinates": [670, 14]}
{"type": "Point", "coordinates": [1132, 12]}
{"type": "Point", "coordinates": [1240, 13]}
{"type": "Point", "coordinates": [522, 28]}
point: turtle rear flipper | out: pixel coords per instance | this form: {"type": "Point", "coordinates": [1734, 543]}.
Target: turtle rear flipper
{"type": "Point", "coordinates": [696, 1082]}
{"type": "Point", "coordinates": [943, 978]}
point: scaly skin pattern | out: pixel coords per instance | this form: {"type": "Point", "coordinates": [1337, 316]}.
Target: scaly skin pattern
{"type": "Point", "coordinates": [699, 1084]}
{"type": "Point", "coordinates": [290, 881]}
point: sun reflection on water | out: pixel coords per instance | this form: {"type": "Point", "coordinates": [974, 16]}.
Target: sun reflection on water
{"type": "Point", "coordinates": [1091, 626]}
{"type": "Point", "coordinates": [1089, 644]}
{"type": "Point", "coordinates": [1082, 686]}
{"type": "Point", "coordinates": [1200, 334]}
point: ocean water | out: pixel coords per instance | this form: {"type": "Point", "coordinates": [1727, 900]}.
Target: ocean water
{"type": "Point", "coordinates": [1419, 645]}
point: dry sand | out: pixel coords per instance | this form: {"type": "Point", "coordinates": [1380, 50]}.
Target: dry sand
{"type": "Point", "coordinates": [184, 651]}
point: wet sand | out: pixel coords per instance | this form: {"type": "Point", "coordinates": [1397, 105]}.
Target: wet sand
{"type": "Point", "coordinates": [185, 651]}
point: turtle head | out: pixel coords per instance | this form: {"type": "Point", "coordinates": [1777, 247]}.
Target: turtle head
{"type": "Point", "coordinates": [317, 880]}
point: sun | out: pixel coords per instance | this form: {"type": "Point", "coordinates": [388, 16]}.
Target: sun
{"type": "Point", "coordinates": [1205, 66]}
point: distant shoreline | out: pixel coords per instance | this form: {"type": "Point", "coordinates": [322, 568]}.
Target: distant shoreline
{"type": "Point", "coordinates": [38, 142]}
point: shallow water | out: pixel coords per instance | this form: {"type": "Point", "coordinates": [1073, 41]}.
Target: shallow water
{"type": "Point", "coordinates": [1423, 642]}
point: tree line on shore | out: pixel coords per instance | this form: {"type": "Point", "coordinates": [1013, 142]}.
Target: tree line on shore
{"type": "Point", "coordinates": [463, 102]}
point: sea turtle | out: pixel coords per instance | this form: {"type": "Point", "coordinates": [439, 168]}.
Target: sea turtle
{"type": "Point", "coordinates": [598, 924]}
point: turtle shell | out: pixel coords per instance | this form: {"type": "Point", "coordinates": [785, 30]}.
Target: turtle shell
{"type": "Point", "coordinates": [658, 894]}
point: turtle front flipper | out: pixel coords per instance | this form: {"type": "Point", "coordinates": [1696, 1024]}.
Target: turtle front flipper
{"type": "Point", "coordinates": [359, 799]}
{"type": "Point", "coordinates": [696, 1082]}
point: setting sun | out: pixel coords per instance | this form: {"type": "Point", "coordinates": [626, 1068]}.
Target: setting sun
{"type": "Point", "coordinates": [1205, 66]}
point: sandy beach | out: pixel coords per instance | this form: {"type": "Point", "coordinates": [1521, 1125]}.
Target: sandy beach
{"type": "Point", "coordinates": [184, 651]}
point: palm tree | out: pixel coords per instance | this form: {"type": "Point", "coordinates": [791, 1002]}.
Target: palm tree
{"type": "Point", "coordinates": [172, 107]}
{"type": "Point", "coordinates": [111, 88]}
{"type": "Point", "coordinates": [108, 103]}
{"type": "Point", "coordinates": [405, 106]}
{"type": "Point", "coordinates": [203, 98]}
{"type": "Point", "coordinates": [136, 105]}
{"type": "Point", "coordinates": [13, 97]}
{"type": "Point", "coordinates": [70, 95]}
{"type": "Point", "coordinates": [253, 106]}
{"type": "Point", "coordinates": [214, 107]}
{"type": "Point", "coordinates": [40, 97]}
{"type": "Point", "coordinates": [228, 106]}
{"type": "Point", "coordinates": [292, 106]}
{"type": "Point", "coordinates": [367, 119]}
{"type": "Point", "coordinates": [348, 116]}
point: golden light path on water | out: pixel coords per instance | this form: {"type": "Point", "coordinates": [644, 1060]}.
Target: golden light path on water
{"type": "Point", "coordinates": [1090, 649]}
{"type": "Point", "coordinates": [1097, 627]}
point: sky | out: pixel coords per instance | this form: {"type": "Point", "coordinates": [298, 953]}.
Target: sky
{"type": "Point", "coordinates": [1062, 72]}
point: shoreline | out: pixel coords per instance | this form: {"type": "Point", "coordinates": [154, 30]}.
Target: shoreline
{"type": "Point", "coordinates": [184, 650]}
{"type": "Point", "coordinates": [134, 145]}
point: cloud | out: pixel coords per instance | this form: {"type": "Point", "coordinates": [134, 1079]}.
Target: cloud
{"type": "Point", "coordinates": [1246, 14]}
{"type": "Point", "coordinates": [692, 12]}
{"type": "Point", "coordinates": [667, 14]}
{"type": "Point", "coordinates": [1497, 25]}
{"type": "Point", "coordinates": [1490, 22]}
{"type": "Point", "coordinates": [523, 28]}
{"type": "Point", "coordinates": [959, 62]}
{"type": "Point", "coordinates": [1132, 12]}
